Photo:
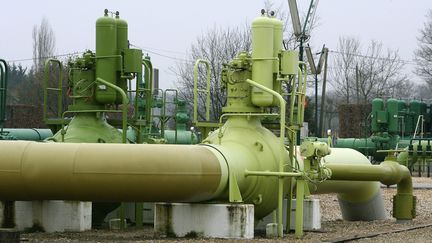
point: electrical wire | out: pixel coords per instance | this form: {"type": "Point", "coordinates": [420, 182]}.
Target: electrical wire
{"type": "Point", "coordinates": [372, 57]}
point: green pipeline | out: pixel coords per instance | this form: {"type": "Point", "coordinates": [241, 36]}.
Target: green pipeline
{"type": "Point", "coordinates": [170, 173]}
{"type": "Point", "coordinates": [31, 134]}
{"type": "Point", "coordinates": [358, 187]}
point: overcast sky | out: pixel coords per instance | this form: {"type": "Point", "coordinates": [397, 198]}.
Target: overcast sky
{"type": "Point", "coordinates": [167, 28]}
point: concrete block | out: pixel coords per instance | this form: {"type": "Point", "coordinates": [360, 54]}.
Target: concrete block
{"type": "Point", "coordinates": [311, 215]}
{"type": "Point", "coordinates": [114, 224]}
{"type": "Point", "coordinates": [59, 216]}
{"type": "Point", "coordinates": [271, 230]}
{"type": "Point", "coordinates": [50, 216]}
{"type": "Point", "coordinates": [205, 220]}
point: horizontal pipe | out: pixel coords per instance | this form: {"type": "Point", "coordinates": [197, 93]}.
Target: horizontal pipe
{"type": "Point", "coordinates": [32, 134]}
{"type": "Point", "coordinates": [388, 173]}
{"type": "Point", "coordinates": [358, 200]}
{"type": "Point", "coordinates": [110, 172]}
{"type": "Point", "coordinates": [272, 173]}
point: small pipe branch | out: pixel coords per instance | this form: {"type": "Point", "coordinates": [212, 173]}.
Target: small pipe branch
{"type": "Point", "coordinates": [388, 172]}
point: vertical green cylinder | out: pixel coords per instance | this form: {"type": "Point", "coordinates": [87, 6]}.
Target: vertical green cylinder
{"type": "Point", "coordinates": [415, 111]}
{"type": "Point", "coordinates": [122, 44]}
{"type": "Point", "coordinates": [277, 47]}
{"type": "Point", "coordinates": [262, 56]}
{"type": "Point", "coordinates": [106, 62]}
{"type": "Point", "coordinates": [393, 111]}
{"type": "Point", "coordinates": [377, 105]}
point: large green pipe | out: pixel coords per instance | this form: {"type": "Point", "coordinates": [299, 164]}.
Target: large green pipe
{"type": "Point", "coordinates": [134, 172]}
{"type": "Point", "coordinates": [110, 172]}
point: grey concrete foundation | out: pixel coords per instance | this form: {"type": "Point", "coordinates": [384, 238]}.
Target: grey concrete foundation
{"type": "Point", "coordinates": [204, 220]}
{"type": "Point", "coordinates": [311, 215]}
{"type": "Point", "coordinates": [49, 216]}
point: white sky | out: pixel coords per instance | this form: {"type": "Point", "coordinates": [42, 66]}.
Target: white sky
{"type": "Point", "coordinates": [173, 25]}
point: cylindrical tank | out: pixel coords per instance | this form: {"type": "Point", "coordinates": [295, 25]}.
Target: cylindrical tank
{"type": "Point", "coordinates": [415, 111]}
{"type": "Point", "coordinates": [393, 112]}
{"type": "Point", "coordinates": [277, 47]}
{"type": "Point", "coordinates": [122, 44]}
{"type": "Point", "coordinates": [106, 60]}
{"type": "Point", "coordinates": [377, 105]}
{"type": "Point", "coordinates": [262, 57]}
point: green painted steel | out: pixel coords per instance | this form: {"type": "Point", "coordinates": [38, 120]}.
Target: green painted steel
{"type": "Point", "coordinates": [277, 49]}
{"type": "Point", "coordinates": [122, 47]}
{"type": "Point", "coordinates": [31, 134]}
{"type": "Point", "coordinates": [240, 162]}
{"type": "Point", "coordinates": [88, 128]}
{"type": "Point", "coordinates": [107, 58]}
{"type": "Point", "coordinates": [262, 59]}
{"type": "Point", "coordinates": [364, 146]}
{"type": "Point", "coordinates": [4, 70]}
{"type": "Point", "coordinates": [377, 106]}
{"type": "Point", "coordinates": [393, 116]}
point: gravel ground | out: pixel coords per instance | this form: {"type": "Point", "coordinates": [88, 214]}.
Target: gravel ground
{"type": "Point", "coordinates": [333, 227]}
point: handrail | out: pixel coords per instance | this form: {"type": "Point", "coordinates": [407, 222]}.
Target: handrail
{"type": "Point", "coordinates": [196, 90]}
{"type": "Point", "coordinates": [59, 89]}
{"type": "Point", "coordinates": [282, 152]}
{"type": "Point", "coordinates": [4, 70]}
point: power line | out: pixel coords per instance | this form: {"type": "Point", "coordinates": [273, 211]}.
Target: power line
{"type": "Point", "coordinates": [40, 58]}
{"type": "Point", "coordinates": [372, 57]}
{"type": "Point", "coordinates": [163, 55]}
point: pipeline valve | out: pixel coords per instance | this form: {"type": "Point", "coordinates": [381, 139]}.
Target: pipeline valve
{"type": "Point", "coordinates": [315, 170]}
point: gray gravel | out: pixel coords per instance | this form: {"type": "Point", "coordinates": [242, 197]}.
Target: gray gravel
{"type": "Point", "coordinates": [333, 226]}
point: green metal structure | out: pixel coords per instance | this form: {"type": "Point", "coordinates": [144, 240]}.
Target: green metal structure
{"type": "Point", "coordinates": [393, 124]}
{"type": "Point", "coordinates": [240, 162]}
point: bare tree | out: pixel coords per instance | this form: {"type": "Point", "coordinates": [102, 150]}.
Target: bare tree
{"type": "Point", "coordinates": [218, 45]}
{"type": "Point", "coordinates": [377, 73]}
{"type": "Point", "coordinates": [43, 48]}
{"type": "Point", "coordinates": [344, 64]}
{"type": "Point", "coordinates": [43, 44]}
{"type": "Point", "coordinates": [424, 51]}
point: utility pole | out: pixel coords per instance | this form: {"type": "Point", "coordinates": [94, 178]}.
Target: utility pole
{"type": "Point", "coordinates": [323, 93]}
{"type": "Point", "coordinates": [357, 84]}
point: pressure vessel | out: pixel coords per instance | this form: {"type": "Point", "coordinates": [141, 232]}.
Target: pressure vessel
{"type": "Point", "coordinates": [106, 57]}
{"type": "Point", "coordinates": [122, 44]}
{"type": "Point", "coordinates": [393, 120]}
{"type": "Point", "coordinates": [262, 56]}
{"type": "Point", "coordinates": [277, 47]}
{"type": "Point", "coordinates": [377, 105]}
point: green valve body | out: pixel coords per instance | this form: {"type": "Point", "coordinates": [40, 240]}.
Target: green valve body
{"type": "Point", "coordinates": [262, 59]}
{"type": "Point", "coordinates": [107, 62]}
